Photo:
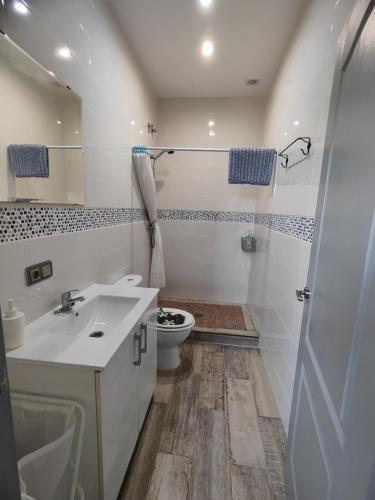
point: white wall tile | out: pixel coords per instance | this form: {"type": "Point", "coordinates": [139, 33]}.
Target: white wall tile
{"type": "Point", "coordinates": [200, 180]}
{"type": "Point", "coordinates": [301, 92]}
{"type": "Point", "coordinates": [114, 93]}
{"type": "Point", "coordinates": [79, 259]}
{"type": "Point", "coordinates": [199, 254]}
{"type": "Point", "coordinates": [204, 260]}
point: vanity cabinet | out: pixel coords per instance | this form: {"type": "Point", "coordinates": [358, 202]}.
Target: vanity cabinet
{"type": "Point", "coordinates": [132, 371]}
{"type": "Point", "coordinates": [115, 400]}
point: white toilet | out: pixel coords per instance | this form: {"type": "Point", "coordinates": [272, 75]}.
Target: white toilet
{"type": "Point", "coordinates": [169, 337]}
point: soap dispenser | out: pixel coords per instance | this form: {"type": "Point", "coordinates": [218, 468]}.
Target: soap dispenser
{"type": "Point", "coordinates": [13, 326]}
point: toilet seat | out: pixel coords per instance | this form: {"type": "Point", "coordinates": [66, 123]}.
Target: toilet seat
{"type": "Point", "coordinates": [188, 323]}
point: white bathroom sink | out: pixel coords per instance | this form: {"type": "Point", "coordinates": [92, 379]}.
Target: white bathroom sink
{"type": "Point", "coordinates": [112, 310]}
{"type": "Point", "coordinates": [97, 318]}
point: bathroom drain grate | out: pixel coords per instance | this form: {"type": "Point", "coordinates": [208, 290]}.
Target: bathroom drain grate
{"type": "Point", "coordinates": [97, 334]}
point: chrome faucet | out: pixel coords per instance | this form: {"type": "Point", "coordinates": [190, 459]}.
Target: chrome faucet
{"type": "Point", "coordinates": [67, 301]}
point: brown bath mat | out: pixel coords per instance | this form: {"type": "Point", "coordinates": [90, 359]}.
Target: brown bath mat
{"type": "Point", "coordinates": [215, 318]}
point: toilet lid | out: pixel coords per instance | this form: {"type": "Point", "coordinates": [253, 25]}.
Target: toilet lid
{"type": "Point", "coordinates": [189, 320]}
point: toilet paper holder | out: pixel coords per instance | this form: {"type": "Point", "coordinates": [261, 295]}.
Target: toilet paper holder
{"type": "Point", "coordinates": [248, 243]}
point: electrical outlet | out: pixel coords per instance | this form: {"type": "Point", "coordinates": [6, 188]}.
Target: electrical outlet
{"type": "Point", "coordinates": [38, 272]}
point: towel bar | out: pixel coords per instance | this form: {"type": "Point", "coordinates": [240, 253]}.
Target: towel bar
{"type": "Point", "coordinates": [283, 154]}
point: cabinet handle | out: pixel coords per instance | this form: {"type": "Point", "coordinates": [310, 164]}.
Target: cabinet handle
{"type": "Point", "coordinates": [137, 350]}
{"type": "Point", "coordinates": [144, 330]}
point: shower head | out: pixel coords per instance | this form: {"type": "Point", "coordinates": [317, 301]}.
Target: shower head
{"type": "Point", "coordinates": [156, 157]}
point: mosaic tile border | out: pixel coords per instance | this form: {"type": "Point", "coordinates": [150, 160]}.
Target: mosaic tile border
{"type": "Point", "coordinates": [22, 223]}
{"type": "Point", "coordinates": [206, 215]}
{"type": "Point", "coordinates": [300, 227]}
{"type": "Point", "coordinates": [296, 226]}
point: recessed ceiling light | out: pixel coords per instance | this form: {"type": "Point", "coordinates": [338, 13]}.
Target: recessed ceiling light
{"type": "Point", "coordinates": [205, 3]}
{"type": "Point", "coordinates": [64, 52]}
{"type": "Point", "coordinates": [296, 123]}
{"type": "Point", "coordinates": [211, 123]}
{"type": "Point", "coordinates": [52, 73]}
{"type": "Point", "coordinates": [77, 132]}
{"type": "Point", "coordinates": [207, 48]}
{"type": "Point", "coordinates": [132, 122]}
{"type": "Point", "coordinates": [59, 122]}
{"type": "Point", "coordinates": [21, 8]}
{"type": "Point", "coordinates": [212, 133]}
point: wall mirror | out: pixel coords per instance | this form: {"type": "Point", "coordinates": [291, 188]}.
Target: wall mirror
{"type": "Point", "coordinates": [41, 154]}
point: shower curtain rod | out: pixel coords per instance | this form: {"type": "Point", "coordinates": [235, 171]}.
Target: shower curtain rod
{"type": "Point", "coordinates": [161, 148]}
{"type": "Point", "coordinates": [64, 147]}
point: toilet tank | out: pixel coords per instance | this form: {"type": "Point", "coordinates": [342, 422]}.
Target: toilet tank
{"type": "Point", "coordinates": [130, 280]}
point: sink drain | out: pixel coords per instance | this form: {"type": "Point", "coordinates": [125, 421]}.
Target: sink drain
{"type": "Point", "coordinates": [97, 334]}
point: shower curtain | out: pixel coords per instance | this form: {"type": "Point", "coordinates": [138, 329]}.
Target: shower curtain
{"type": "Point", "coordinates": [142, 166]}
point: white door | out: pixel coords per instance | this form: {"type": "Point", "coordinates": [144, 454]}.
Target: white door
{"type": "Point", "coordinates": [147, 368]}
{"type": "Point", "coordinates": [331, 452]}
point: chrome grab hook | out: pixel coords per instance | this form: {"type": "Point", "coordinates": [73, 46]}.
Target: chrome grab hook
{"type": "Point", "coordinates": [304, 294]}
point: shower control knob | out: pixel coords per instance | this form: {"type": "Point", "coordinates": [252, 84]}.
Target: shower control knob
{"type": "Point", "coordinates": [304, 294]}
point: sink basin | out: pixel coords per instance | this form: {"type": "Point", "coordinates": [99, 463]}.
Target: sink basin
{"type": "Point", "coordinates": [114, 311]}
{"type": "Point", "coordinates": [99, 316]}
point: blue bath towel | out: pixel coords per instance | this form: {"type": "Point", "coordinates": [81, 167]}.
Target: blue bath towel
{"type": "Point", "coordinates": [251, 166]}
{"type": "Point", "coordinates": [29, 160]}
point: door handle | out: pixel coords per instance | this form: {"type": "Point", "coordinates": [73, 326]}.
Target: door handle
{"type": "Point", "coordinates": [144, 331]}
{"type": "Point", "coordinates": [137, 342]}
{"type": "Point", "coordinates": [304, 294]}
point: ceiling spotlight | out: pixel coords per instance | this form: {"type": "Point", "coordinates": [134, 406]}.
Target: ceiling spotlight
{"type": "Point", "coordinates": [59, 122]}
{"type": "Point", "coordinates": [207, 48]}
{"type": "Point", "coordinates": [252, 81]}
{"type": "Point", "coordinates": [205, 3]}
{"type": "Point", "coordinates": [64, 52]}
{"type": "Point", "coordinates": [212, 133]}
{"type": "Point", "coordinates": [211, 123]}
{"type": "Point", "coordinates": [296, 123]}
{"type": "Point", "coordinates": [21, 8]}
{"type": "Point", "coordinates": [52, 73]}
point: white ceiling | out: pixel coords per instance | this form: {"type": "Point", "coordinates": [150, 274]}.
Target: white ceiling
{"type": "Point", "coordinates": [250, 37]}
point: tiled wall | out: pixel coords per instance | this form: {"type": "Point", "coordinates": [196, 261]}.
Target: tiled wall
{"type": "Point", "coordinates": [117, 104]}
{"type": "Point", "coordinates": [203, 217]}
{"type": "Point", "coordinates": [298, 107]}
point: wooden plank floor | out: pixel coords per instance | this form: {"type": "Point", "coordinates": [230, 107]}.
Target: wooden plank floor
{"type": "Point", "coordinates": [212, 432]}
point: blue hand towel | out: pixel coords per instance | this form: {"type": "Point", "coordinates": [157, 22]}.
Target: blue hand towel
{"type": "Point", "coordinates": [251, 166]}
{"type": "Point", "coordinates": [29, 160]}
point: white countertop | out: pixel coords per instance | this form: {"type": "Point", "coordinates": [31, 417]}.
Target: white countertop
{"type": "Point", "coordinates": [42, 346]}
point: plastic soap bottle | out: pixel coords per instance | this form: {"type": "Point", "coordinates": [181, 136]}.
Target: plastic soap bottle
{"type": "Point", "coordinates": [13, 326]}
